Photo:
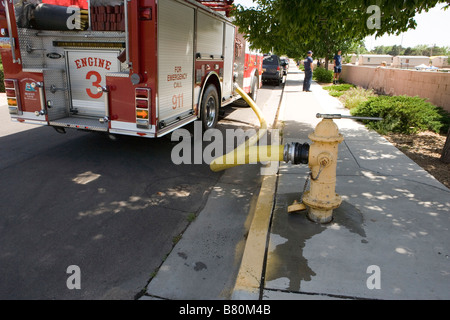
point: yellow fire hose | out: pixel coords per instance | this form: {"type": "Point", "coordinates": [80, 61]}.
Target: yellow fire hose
{"type": "Point", "coordinates": [247, 152]}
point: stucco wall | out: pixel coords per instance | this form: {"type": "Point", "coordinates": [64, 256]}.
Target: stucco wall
{"type": "Point", "coordinates": [435, 86]}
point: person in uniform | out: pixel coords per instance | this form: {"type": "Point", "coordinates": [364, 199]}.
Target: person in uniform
{"type": "Point", "coordinates": [337, 67]}
{"type": "Point", "coordinates": [308, 63]}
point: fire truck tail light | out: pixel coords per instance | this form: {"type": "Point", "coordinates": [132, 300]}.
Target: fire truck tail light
{"type": "Point", "coordinates": [12, 102]}
{"type": "Point", "coordinates": [10, 93]}
{"type": "Point", "coordinates": [142, 104]}
{"type": "Point", "coordinates": [10, 84]}
{"type": "Point", "coordinates": [13, 97]}
{"type": "Point", "coordinates": [142, 93]}
{"type": "Point", "coordinates": [142, 114]}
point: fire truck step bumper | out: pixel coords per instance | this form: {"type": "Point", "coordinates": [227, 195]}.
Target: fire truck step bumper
{"type": "Point", "coordinates": [80, 123]}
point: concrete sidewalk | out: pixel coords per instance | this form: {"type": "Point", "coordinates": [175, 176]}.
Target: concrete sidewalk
{"type": "Point", "coordinates": [391, 230]}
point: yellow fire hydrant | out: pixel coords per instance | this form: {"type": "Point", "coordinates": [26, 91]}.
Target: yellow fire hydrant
{"type": "Point", "coordinates": [322, 198]}
{"type": "Point", "coordinates": [321, 156]}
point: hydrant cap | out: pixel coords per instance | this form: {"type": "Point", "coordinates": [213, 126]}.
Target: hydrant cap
{"type": "Point", "coordinates": [326, 131]}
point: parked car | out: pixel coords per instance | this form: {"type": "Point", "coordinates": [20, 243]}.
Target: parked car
{"type": "Point", "coordinates": [272, 69]}
{"type": "Point", "coordinates": [285, 65]}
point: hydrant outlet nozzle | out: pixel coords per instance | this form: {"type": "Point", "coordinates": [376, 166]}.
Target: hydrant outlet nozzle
{"type": "Point", "coordinates": [296, 153]}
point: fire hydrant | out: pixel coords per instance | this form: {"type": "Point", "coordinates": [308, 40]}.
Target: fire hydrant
{"type": "Point", "coordinates": [321, 198]}
{"type": "Point", "coordinates": [321, 156]}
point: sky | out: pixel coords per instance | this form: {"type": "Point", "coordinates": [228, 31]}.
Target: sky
{"type": "Point", "coordinates": [432, 29]}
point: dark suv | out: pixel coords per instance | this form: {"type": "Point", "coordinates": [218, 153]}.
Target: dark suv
{"type": "Point", "coordinates": [272, 69]}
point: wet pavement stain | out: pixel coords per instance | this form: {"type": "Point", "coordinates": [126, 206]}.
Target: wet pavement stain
{"type": "Point", "coordinates": [289, 234]}
{"type": "Point", "coordinates": [182, 255]}
{"type": "Point", "coordinates": [199, 266]}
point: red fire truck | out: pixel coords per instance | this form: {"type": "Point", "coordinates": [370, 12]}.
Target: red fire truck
{"type": "Point", "coordinates": [143, 67]}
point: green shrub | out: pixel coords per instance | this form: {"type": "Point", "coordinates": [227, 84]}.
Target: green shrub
{"type": "Point", "coordinates": [403, 114]}
{"type": "Point", "coordinates": [339, 90]}
{"type": "Point", "coordinates": [322, 75]}
{"type": "Point", "coordinates": [336, 94]}
{"type": "Point", "coordinates": [353, 97]}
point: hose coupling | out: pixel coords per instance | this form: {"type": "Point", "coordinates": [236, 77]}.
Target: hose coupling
{"type": "Point", "coordinates": [296, 153]}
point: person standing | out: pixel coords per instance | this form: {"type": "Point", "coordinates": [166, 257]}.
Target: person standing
{"type": "Point", "coordinates": [337, 66]}
{"type": "Point", "coordinates": [308, 63]}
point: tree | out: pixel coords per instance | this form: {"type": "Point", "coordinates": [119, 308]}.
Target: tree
{"type": "Point", "coordinates": [408, 51]}
{"type": "Point", "coordinates": [293, 27]}
{"type": "Point", "coordinates": [437, 51]}
{"type": "Point", "coordinates": [396, 50]}
{"type": "Point", "coordinates": [445, 156]}
{"type": "Point", "coordinates": [420, 50]}
{"type": "Point", "coordinates": [379, 50]}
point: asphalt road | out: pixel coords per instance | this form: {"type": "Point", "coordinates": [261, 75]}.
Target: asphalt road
{"type": "Point", "coordinates": [113, 209]}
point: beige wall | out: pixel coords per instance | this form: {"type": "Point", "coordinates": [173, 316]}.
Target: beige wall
{"type": "Point", "coordinates": [432, 85]}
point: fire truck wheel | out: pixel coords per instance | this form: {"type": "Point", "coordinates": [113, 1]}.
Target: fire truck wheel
{"type": "Point", "coordinates": [254, 92]}
{"type": "Point", "coordinates": [210, 108]}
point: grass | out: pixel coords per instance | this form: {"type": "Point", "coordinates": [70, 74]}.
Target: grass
{"type": "Point", "coordinates": [176, 238]}
{"type": "Point", "coordinates": [191, 217]}
{"type": "Point", "coordinates": [353, 97]}
{"type": "Point", "coordinates": [339, 90]}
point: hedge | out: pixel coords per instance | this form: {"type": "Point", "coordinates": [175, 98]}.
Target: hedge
{"type": "Point", "coordinates": [403, 114]}
{"type": "Point", "coordinates": [322, 75]}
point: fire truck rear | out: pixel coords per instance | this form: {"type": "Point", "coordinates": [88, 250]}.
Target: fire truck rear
{"type": "Point", "coordinates": [139, 67]}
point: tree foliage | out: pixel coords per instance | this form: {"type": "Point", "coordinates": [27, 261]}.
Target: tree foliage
{"type": "Point", "coordinates": [293, 27]}
{"type": "Point", "coordinates": [419, 50]}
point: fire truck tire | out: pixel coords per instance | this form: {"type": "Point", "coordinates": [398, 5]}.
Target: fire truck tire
{"type": "Point", "coordinates": [210, 107]}
{"type": "Point", "coordinates": [253, 94]}
{"type": "Point", "coordinates": [254, 89]}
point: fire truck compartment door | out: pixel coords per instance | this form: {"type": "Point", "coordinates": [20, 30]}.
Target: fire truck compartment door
{"type": "Point", "coordinates": [87, 72]}
{"type": "Point", "coordinates": [228, 61]}
{"type": "Point", "coordinates": [175, 58]}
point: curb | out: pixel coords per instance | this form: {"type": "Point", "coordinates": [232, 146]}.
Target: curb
{"type": "Point", "coordinates": [250, 278]}
{"type": "Point", "coordinates": [250, 275]}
